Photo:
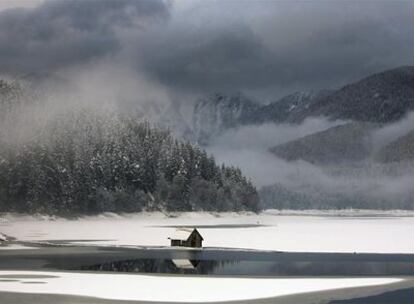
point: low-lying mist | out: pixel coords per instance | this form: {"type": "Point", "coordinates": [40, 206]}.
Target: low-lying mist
{"type": "Point", "coordinates": [40, 98]}
{"type": "Point", "coordinates": [247, 147]}
{"type": "Point", "coordinates": [370, 182]}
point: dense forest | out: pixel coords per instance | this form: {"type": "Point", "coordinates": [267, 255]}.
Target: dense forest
{"type": "Point", "coordinates": [86, 161]}
{"type": "Point", "coordinates": [280, 197]}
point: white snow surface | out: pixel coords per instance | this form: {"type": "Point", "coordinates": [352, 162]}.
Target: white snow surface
{"type": "Point", "coordinates": [350, 231]}
{"type": "Point", "coordinates": [17, 247]}
{"type": "Point", "coordinates": [177, 288]}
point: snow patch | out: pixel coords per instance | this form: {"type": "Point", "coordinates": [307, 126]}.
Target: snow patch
{"type": "Point", "coordinates": [180, 288]}
{"type": "Point", "coordinates": [17, 247]}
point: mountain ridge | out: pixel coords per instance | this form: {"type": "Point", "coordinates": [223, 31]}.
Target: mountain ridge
{"type": "Point", "coordinates": [383, 97]}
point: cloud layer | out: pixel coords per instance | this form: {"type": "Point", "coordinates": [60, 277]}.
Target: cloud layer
{"type": "Point", "coordinates": [266, 48]}
{"type": "Point", "coordinates": [61, 33]}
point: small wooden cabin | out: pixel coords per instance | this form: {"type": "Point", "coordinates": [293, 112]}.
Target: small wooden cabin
{"type": "Point", "coordinates": [184, 237]}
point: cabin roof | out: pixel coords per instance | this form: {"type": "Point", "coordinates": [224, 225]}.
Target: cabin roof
{"type": "Point", "coordinates": [183, 233]}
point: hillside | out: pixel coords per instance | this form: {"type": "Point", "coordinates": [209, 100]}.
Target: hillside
{"type": "Point", "coordinates": [383, 97]}
{"type": "Point", "coordinates": [288, 107]}
{"type": "Point", "coordinates": [218, 112]}
{"type": "Point", "coordinates": [344, 143]}
{"type": "Point", "coordinates": [400, 150]}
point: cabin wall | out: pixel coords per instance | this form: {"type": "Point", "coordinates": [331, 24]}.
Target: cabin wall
{"type": "Point", "coordinates": [194, 241]}
{"type": "Point", "coordinates": [177, 243]}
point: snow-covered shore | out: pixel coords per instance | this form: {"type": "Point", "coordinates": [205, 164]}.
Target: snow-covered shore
{"type": "Point", "coordinates": [356, 231]}
{"type": "Point", "coordinates": [176, 288]}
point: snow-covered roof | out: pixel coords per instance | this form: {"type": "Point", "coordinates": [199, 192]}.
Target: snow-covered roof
{"type": "Point", "coordinates": [181, 234]}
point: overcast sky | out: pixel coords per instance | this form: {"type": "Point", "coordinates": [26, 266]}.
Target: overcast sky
{"type": "Point", "coordinates": [263, 48]}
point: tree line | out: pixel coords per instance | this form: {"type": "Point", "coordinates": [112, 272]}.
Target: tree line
{"type": "Point", "coordinates": [86, 162]}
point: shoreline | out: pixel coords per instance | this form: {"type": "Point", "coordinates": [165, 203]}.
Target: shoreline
{"type": "Point", "coordinates": [317, 297]}
{"type": "Point", "coordinates": [5, 217]}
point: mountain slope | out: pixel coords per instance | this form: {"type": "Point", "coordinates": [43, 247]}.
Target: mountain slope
{"type": "Point", "coordinates": [218, 112]}
{"type": "Point", "coordinates": [344, 143]}
{"type": "Point", "coordinates": [383, 97]}
{"type": "Point", "coordinates": [380, 98]}
{"type": "Point", "coordinates": [288, 107]}
{"type": "Point", "coordinates": [399, 150]}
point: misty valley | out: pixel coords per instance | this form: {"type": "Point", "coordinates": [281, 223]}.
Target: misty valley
{"type": "Point", "coordinates": [83, 157]}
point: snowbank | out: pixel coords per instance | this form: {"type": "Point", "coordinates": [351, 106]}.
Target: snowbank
{"type": "Point", "coordinates": [180, 288]}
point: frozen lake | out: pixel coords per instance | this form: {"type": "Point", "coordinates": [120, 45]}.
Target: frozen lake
{"type": "Point", "coordinates": [356, 231]}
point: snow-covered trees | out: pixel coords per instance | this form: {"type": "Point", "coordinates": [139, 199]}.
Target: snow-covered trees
{"type": "Point", "coordinates": [85, 162]}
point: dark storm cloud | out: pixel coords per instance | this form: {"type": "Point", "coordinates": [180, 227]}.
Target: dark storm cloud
{"type": "Point", "coordinates": [262, 47]}
{"type": "Point", "coordinates": [272, 46]}
{"type": "Point", "coordinates": [64, 32]}
{"type": "Point", "coordinates": [229, 57]}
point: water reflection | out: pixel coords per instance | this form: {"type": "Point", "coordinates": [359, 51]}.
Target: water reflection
{"type": "Point", "coordinates": [256, 268]}
{"type": "Point", "coordinates": [160, 266]}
